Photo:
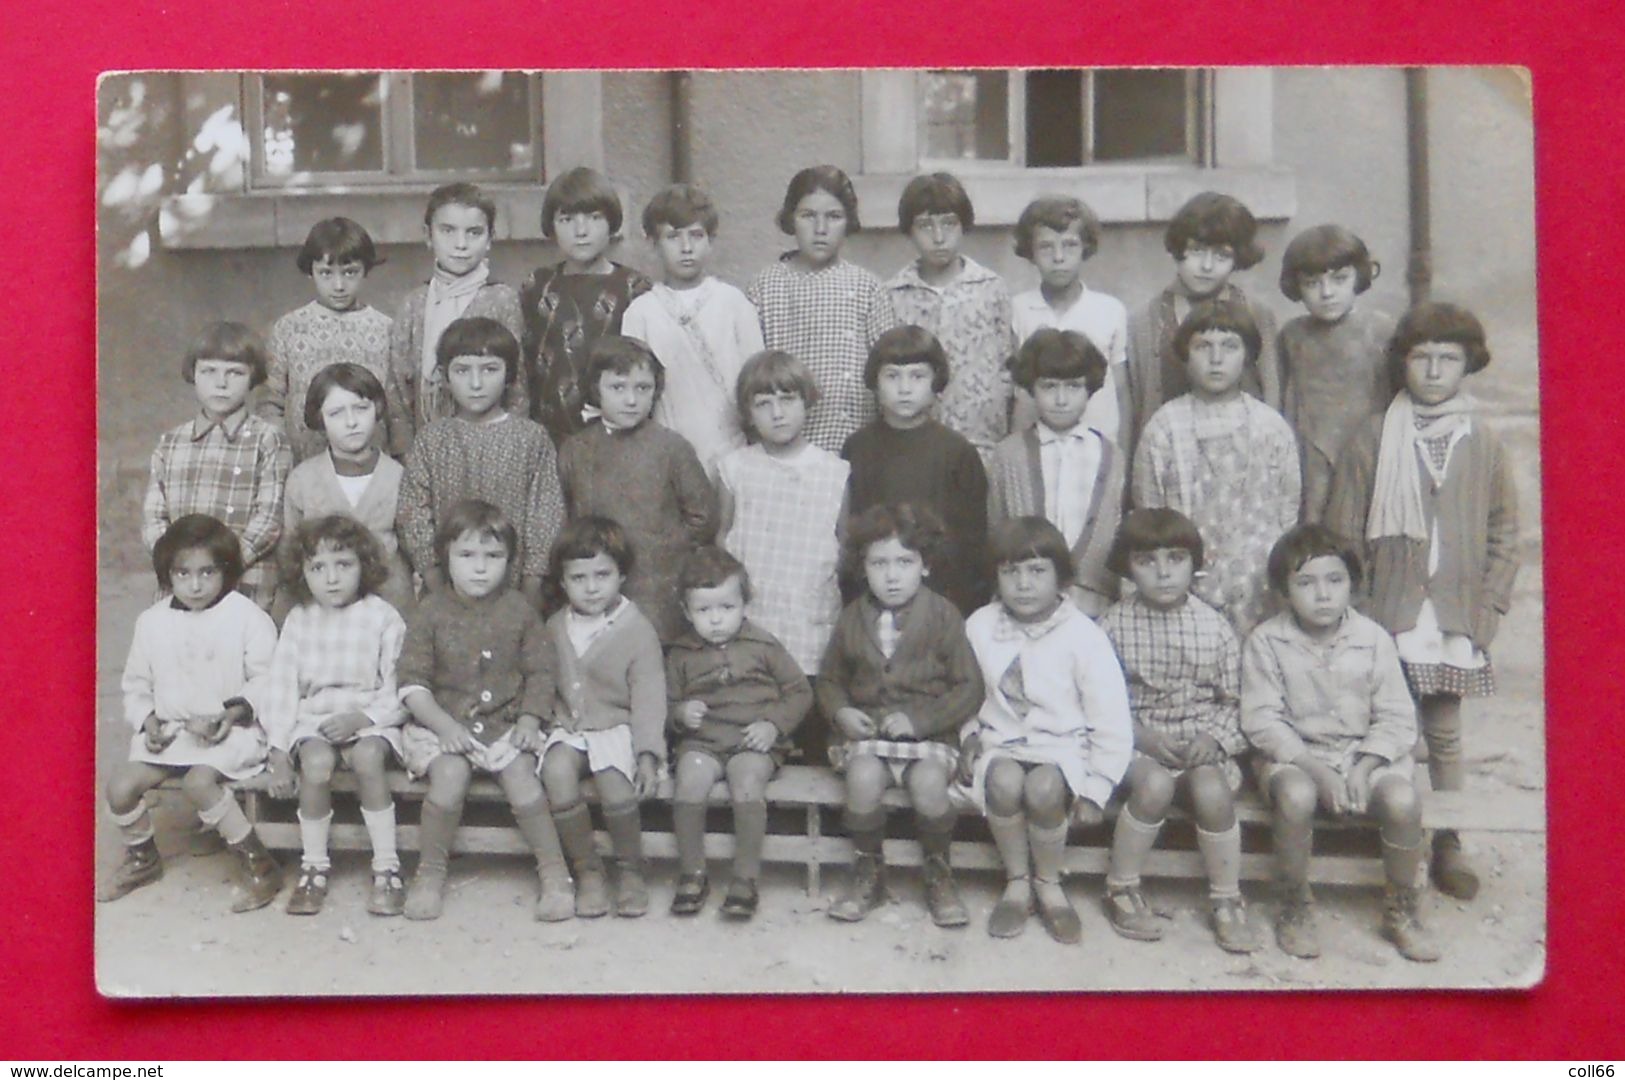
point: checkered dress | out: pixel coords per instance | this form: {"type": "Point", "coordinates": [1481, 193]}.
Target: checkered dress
{"type": "Point", "coordinates": [785, 514]}
{"type": "Point", "coordinates": [332, 662]}
{"type": "Point", "coordinates": [1183, 670]}
{"type": "Point", "coordinates": [234, 471]}
{"type": "Point", "coordinates": [828, 320]}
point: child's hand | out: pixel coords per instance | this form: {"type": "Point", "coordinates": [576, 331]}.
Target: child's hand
{"type": "Point", "coordinates": [1203, 750]}
{"type": "Point", "coordinates": [1333, 789]}
{"type": "Point", "coordinates": [1157, 747]}
{"type": "Point", "coordinates": [157, 734]}
{"type": "Point", "coordinates": [691, 713]}
{"type": "Point", "coordinates": [527, 733]}
{"type": "Point", "coordinates": [455, 739]}
{"type": "Point", "coordinates": [897, 726]}
{"type": "Point", "coordinates": [647, 780]}
{"type": "Point", "coordinates": [969, 750]}
{"type": "Point", "coordinates": [1359, 782]}
{"type": "Point", "coordinates": [202, 726]}
{"type": "Point", "coordinates": [854, 723]}
{"type": "Point", "coordinates": [1086, 813]}
{"type": "Point", "coordinates": [760, 736]}
{"type": "Point", "coordinates": [342, 728]}
{"type": "Point", "coordinates": [283, 781]}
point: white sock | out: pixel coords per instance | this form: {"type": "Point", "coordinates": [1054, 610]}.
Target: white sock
{"type": "Point", "coordinates": [227, 818]}
{"type": "Point", "coordinates": [381, 831]}
{"type": "Point", "coordinates": [136, 826]}
{"type": "Point", "coordinates": [313, 835]}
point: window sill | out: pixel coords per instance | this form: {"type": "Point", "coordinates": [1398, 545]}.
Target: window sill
{"type": "Point", "coordinates": [267, 219]}
{"type": "Point", "coordinates": [1119, 194]}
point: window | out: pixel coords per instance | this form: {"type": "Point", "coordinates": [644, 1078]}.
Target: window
{"type": "Point", "coordinates": [310, 130]}
{"type": "Point", "coordinates": [1134, 143]}
{"type": "Point", "coordinates": [1060, 118]}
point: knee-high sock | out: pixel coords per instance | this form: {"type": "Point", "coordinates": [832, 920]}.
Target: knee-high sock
{"type": "Point", "coordinates": [1132, 841]}
{"type": "Point", "coordinates": [313, 838]}
{"type": "Point", "coordinates": [1221, 857]}
{"type": "Point", "coordinates": [381, 831]}
{"type": "Point", "coordinates": [1048, 846]}
{"type": "Point", "coordinates": [1402, 865]}
{"type": "Point", "coordinates": [136, 826]}
{"type": "Point", "coordinates": [750, 831]}
{"type": "Point", "coordinates": [227, 818]}
{"type": "Point", "coordinates": [574, 826]}
{"type": "Point", "coordinates": [688, 822]}
{"type": "Point", "coordinates": [625, 827]}
{"type": "Point", "coordinates": [437, 828]}
{"type": "Point", "coordinates": [535, 823]}
{"type": "Point", "coordinates": [936, 833]}
{"type": "Point", "coordinates": [1010, 837]}
{"type": "Point", "coordinates": [867, 830]}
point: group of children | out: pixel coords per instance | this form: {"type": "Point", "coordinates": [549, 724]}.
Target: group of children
{"type": "Point", "coordinates": [1028, 556]}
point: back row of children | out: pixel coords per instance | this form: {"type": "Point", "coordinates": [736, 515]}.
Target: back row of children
{"type": "Point", "coordinates": [1439, 537]}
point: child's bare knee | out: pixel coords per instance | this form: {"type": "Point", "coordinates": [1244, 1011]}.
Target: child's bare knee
{"type": "Point", "coordinates": [1394, 801]}
{"type": "Point", "coordinates": [696, 774]}
{"type": "Point", "coordinates": [1211, 798]}
{"type": "Point", "coordinates": [867, 779]}
{"type": "Point", "coordinates": [202, 786]}
{"type": "Point", "coordinates": [1151, 787]}
{"type": "Point", "coordinates": [1006, 781]}
{"type": "Point", "coordinates": [748, 774]}
{"type": "Point", "coordinates": [316, 761]}
{"type": "Point", "coordinates": [520, 782]}
{"type": "Point", "coordinates": [928, 786]}
{"type": "Point", "coordinates": [125, 789]}
{"type": "Point", "coordinates": [448, 780]}
{"type": "Point", "coordinates": [1293, 795]}
{"type": "Point", "coordinates": [369, 757]}
{"type": "Point", "coordinates": [1045, 789]}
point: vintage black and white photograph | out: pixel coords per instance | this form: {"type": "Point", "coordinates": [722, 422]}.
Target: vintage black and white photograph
{"type": "Point", "coordinates": [815, 531]}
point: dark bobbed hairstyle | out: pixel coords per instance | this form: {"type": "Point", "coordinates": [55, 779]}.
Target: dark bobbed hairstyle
{"type": "Point", "coordinates": [710, 567]}
{"type": "Point", "coordinates": [581, 191]}
{"type": "Point", "coordinates": [913, 525]}
{"type": "Point", "coordinates": [1437, 320]}
{"type": "Point", "coordinates": [679, 206]}
{"type": "Point", "coordinates": [344, 376]}
{"type": "Point", "coordinates": [338, 240]}
{"type": "Point", "coordinates": [1214, 219]}
{"type": "Point", "coordinates": [620, 354]}
{"type": "Point", "coordinates": [907, 345]}
{"type": "Point", "coordinates": [461, 193]}
{"type": "Point", "coordinates": [1148, 529]}
{"type": "Point", "coordinates": [1322, 248]}
{"type": "Point", "coordinates": [199, 531]}
{"type": "Point", "coordinates": [934, 193]}
{"type": "Point", "coordinates": [1058, 212]}
{"type": "Point", "coordinates": [232, 342]}
{"type": "Point", "coordinates": [483, 519]}
{"type": "Point", "coordinates": [1224, 315]}
{"type": "Point", "coordinates": [771, 371]}
{"type": "Point", "coordinates": [336, 532]}
{"type": "Point", "coordinates": [819, 178]}
{"type": "Point", "coordinates": [1302, 543]}
{"type": "Point", "coordinates": [586, 538]}
{"type": "Point", "coordinates": [479, 336]}
{"type": "Point", "coordinates": [1021, 538]}
{"type": "Point", "coordinates": [1058, 354]}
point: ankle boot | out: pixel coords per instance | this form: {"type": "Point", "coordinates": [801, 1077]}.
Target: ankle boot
{"type": "Point", "coordinates": [1450, 870]}
{"type": "Point", "coordinates": [261, 877]}
{"type": "Point", "coordinates": [941, 895]}
{"type": "Point", "coordinates": [867, 891]}
{"type": "Point", "coordinates": [140, 866]}
{"type": "Point", "coordinates": [1402, 926]}
{"type": "Point", "coordinates": [437, 827]}
{"type": "Point", "coordinates": [592, 887]}
{"type": "Point", "coordinates": [1295, 929]}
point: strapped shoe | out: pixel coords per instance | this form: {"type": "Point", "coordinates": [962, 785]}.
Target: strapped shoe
{"type": "Point", "coordinates": [1130, 915]}
{"type": "Point", "coordinates": [140, 866]}
{"type": "Point", "coordinates": [388, 893]}
{"type": "Point", "coordinates": [740, 903]}
{"type": "Point", "coordinates": [1009, 915]}
{"type": "Point", "coordinates": [309, 892]}
{"type": "Point", "coordinates": [1056, 912]}
{"type": "Point", "coordinates": [1231, 928]}
{"type": "Point", "coordinates": [692, 889]}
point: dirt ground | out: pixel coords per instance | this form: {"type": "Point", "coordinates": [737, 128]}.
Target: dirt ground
{"type": "Point", "coordinates": [178, 938]}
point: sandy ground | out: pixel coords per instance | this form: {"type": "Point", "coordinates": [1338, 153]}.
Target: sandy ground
{"type": "Point", "coordinates": [178, 938]}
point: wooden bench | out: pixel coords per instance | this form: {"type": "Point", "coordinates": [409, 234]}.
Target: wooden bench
{"type": "Point", "coordinates": [804, 821]}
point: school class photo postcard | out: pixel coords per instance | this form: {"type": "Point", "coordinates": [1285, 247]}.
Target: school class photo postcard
{"type": "Point", "coordinates": [781, 531]}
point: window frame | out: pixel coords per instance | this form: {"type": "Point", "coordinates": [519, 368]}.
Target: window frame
{"type": "Point", "coordinates": [1198, 125]}
{"type": "Point", "coordinates": [397, 137]}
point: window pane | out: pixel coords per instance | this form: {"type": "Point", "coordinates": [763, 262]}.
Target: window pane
{"type": "Point", "coordinates": [1140, 114]}
{"type": "Point", "coordinates": [473, 121]}
{"type": "Point", "coordinates": [966, 115]}
{"type": "Point", "coordinates": [323, 123]}
{"type": "Point", "coordinates": [1054, 118]}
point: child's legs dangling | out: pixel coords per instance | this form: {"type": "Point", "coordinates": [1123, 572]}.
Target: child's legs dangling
{"type": "Point", "coordinates": [933, 810]}
{"type": "Point", "coordinates": [205, 789]}
{"type": "Point", "coordinates": [1005, 785]}
{"type": "Point", "coordinates": [697, 774]}
{"type": "Point", "coordinates": [748, 773]}
{"type": "Point", "coordinates": [534, 819]}
{"type": "Point", "coordinates": [1218, 834]}
{"type": "Point", "coordinates": [1293, 798]}
{"type": "Point", "coordinates": [562, 769]}
{"type": "Point", "coordinates": [369, 759]}
{"type": "Point", "coordinates": [317, 760]}
{"type": "Point", "coordinates": [1150, 790]}
{"type": "Point", "coordinates": [126, 801]}
{"type": "Point", "coordinates": [1398, 810]}
{"type": "Point", "coordinates": [1440, 717]}
{"type": "Point", "coordinates": [867, 778]}
{"type": "Point", "coordinates": [1047, 798]}
{"type": "Point", "coordinates": [442, 812]}
{"type": "Point", "coordinates": [625, 826]}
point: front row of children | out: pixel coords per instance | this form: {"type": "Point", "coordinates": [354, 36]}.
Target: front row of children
{"type": "Point", "coordinates": [1022, 711]}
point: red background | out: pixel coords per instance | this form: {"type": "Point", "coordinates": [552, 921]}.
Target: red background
{"type": "Point", "coordinates": [49, 59]}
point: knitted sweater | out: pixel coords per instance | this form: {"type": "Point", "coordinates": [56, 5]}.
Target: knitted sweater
{"type": "Point", "coordinates": [619, 679]}
{"type": "Point", "coordinates": [932, 676]}
{"type": "Point", "coordinates": [1016, 489]}
{"type": "Point", "coordinates": [741, 681]}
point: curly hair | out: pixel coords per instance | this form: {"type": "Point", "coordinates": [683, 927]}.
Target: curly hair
{"type": "Point", "coordinates": [335, 532]}
{"type": "Point", "coordinates": [711, 567]}
{"type": "Point", "coordinates": [916, 527]}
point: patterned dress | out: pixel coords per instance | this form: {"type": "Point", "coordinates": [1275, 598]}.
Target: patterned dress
{"type": "Point", "coordinates": [1232, 468]}
{"type": "Point", "coordinates": [564, 314]}
{"type": "Point", "coordinates": [1184, 674]}
{"type": "Point", "coordinates": [786, 511]}
{"type": "Point", "coordinates": [305, 341]}
{"type": "Point", "coordinates": [971, 316]}
{"type": "Point", "coordinates": [827, 319]}
{"type": "Point", "coordinates": [234, 470]}
{"type": "Point", "coordinates": [509, 463]}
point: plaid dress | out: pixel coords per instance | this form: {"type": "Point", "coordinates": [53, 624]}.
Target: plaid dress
{"type": "Point", "coordinates": [1183, 669]}
{"type": "Point", "coordinates": [786, 510]}
{"type": "Point", "coordinates": [828, 320]}
{"type": "Point", "coordinates": [329, 662]}
{"type": "Point", "coordinates": [234, 470]}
